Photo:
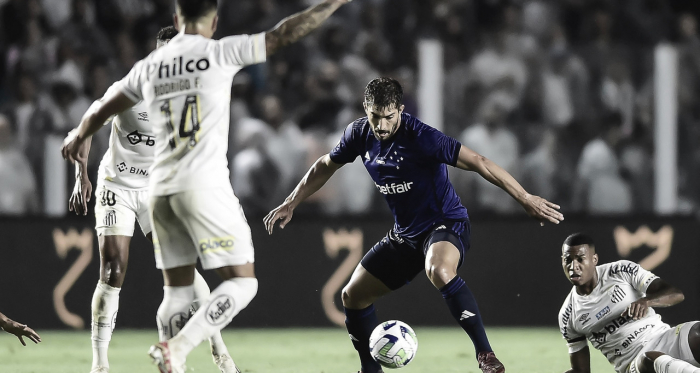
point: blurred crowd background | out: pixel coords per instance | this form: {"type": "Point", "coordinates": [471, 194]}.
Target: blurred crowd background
{"type": "Point", "coordinates": [559, 93]}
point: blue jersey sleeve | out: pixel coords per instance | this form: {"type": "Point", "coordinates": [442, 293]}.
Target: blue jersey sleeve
{"type": "Point", "coordinates": [438, 146]}
{"type": "Point", "coordinates": [346, 150]}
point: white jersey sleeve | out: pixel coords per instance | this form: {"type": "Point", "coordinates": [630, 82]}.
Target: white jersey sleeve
{"type": "Point", "coordinates": [130, 85]}
{"type": "Point", "coordinates": [575, 339]}
{"type": "Point", "coordinates": [241, 50]}
{"type": "Point", "coordinates": [633, 274]}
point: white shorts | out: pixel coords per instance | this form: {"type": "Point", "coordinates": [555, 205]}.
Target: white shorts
{"type": "Point", "coordinates": [116, 209]}
{"type": "Point", "coordinates": [208, 224]}
{"type": "Point", "coordinates": [673, 342]}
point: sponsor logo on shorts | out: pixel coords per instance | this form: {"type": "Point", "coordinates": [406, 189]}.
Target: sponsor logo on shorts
{"type": "Point", "coordinates": [215, 244]}
{"type": "Point", "coordinates": [617, 294]}
{"type": "Point", "coordinates": [220, 310]}
{"type": "Point", "coordinates": [111, 218]}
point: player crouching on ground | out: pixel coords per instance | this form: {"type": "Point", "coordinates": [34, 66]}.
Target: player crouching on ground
{"type": "Point", "coordinates": [610, 305]}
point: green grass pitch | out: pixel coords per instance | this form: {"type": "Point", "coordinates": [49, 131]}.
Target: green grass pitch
{"type": "Point", "coordinates": [522, 350]}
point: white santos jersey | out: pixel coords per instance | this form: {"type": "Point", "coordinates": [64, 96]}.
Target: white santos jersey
{"type": "Point", "coordinates": [598, 316]}
{"type": "Point", "coordinates": [126, 163]}
{"type": "Point", "coordinates": [186, 86]}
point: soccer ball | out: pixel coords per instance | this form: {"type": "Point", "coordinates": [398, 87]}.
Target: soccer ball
{"type": "Point", "coordinates": [393, 344]}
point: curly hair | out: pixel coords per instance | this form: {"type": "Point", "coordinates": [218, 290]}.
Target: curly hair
{"type": "Point", "coordinates": [384, 93]}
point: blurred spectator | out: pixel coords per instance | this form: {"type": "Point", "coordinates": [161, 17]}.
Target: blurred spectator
{"type": "Point", "coordinates": [18, 194]}
{"type": "Point", "coordinates": [617, 94]}
{"type": "Point", "coordinates": [564, 84]}
{"type": "Point", "coordinates": [540, 170]}
{"type": "Point", "coordinates": [599, 187]}
{"type": "Point", "coordinates": [492, 139]}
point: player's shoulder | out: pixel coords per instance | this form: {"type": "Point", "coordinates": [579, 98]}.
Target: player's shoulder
{"type": "Point", "coordinates": [619, 268]}
{"type": "Point", "coordinates": [358, 128]}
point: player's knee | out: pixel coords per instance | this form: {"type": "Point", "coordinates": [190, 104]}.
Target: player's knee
{"type": "Point", "coordinates": [113, 270]}
{"type": "Point", "coordinates": [439, 275]}
{"type": "Point", "coordinates": [645, 362]}
{"type": "Point", "coordinates": [352, 298]}
{"type": "Point", "coordinates": [694, 340]}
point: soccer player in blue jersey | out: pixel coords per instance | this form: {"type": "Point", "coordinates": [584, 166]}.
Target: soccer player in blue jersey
{"type": "Point", "coordinates": [407, 160]}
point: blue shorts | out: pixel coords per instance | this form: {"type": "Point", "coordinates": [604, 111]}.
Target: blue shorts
{"type": "Point", "coordinates": [396, 261]}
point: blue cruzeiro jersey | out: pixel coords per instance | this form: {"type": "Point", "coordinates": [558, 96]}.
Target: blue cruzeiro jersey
{"type": "Point", "coordinates": [409, 169]}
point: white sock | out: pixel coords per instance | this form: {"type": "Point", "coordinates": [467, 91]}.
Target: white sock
{"type": "Point", "coordinates": [105, 304]}
{"type": "Point", "coordinates": [174, 310]}
{"type": "Point", "coordinates": [224, 303]}
{"type": "Point", "coordinates": [201, 294]}
{"type": "Point", "coordinates": [667, 364]}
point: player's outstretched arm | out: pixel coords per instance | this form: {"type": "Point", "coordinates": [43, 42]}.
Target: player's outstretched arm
{"type": "Point", "coordinates": [19, 330]}
{"type": "Point", "coordinates": [82, 191]}
{"type": "Point", "coordinates": [296, 26]}
{"type": "Point", "coordinates": [92, 121]}
{"type": "Point", "coordinates": [580, 361]}
{"type": "Point", "coordinates": [659, 294]}
{"type": "Point", "coordinates": [315, 178]}
{"type": "Point", "coordinates": [537, 207]}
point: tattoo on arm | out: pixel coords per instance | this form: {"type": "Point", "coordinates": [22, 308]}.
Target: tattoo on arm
{"type": "Point", "coordinates": [296, 26]}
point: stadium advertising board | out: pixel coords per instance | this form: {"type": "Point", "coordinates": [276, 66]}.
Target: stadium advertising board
{"type": "Point", "coordinates": [49, 269]}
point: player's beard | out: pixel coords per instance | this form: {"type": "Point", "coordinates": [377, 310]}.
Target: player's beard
{"type": "Point", "coordinates": [390, 133]}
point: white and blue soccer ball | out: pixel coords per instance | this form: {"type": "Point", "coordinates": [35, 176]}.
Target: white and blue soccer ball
{"type": "Point", "coordinates": [393, 344]}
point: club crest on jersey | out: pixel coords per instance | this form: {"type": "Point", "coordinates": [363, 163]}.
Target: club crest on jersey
{"type": "Point", "coordinates": [617, 294]}
{"type": "Point", "coordinates": [584, 318]}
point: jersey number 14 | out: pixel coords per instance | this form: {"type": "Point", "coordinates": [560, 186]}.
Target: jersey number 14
{"type": "Point", "coordinates": [189, 121]}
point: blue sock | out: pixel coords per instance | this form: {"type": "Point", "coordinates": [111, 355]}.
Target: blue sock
{"type": "Point", "coordinates": [360, 324]}
{"type": "Point", "coordinates": [462, 305]}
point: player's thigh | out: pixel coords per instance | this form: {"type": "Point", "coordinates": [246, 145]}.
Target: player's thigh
{"type": "Point", "coordinates": [445, 248]}
{"type": "Point", "coordinates": [675, 342]}
{"type": "Point", "coordinates": [363, 289]}
{"type": "Point", "coordinates": [644, 362]}
{"type": "Point", "coordinates": [216, 224]}
{"type": "Point", "coordinates": [172, 244]}
{"type": "Point", "coordinates": [393, 261]}
{"type": "Point", "coordinates": [441, 262]}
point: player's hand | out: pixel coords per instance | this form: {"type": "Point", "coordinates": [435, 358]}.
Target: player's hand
{"type": "Point", "coordinates": [283, 212]}
{"type": "Point", "coordinates": [73, 149]}
{"type": "Point", "coordinates": [541, 209]}
{"type": "Point", "coordinates": [637, 309]}
{"type": "Point", "coordinates": [21, 330]}
{"type": "Point", "coordinates": [82, 193]}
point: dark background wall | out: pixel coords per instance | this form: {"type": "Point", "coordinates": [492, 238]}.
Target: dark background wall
{"type": "Point", "coordinates": [513, 268]}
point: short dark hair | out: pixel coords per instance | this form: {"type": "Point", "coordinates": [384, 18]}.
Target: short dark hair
{"type": "Point", "coordinates": [166, 33]}
{"type": "Point", "coordinates": [384, 93]}
{"type": "Point", "coordinates": [193, 9]}
{"type": "Point", "coordinates": [578, 239]}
